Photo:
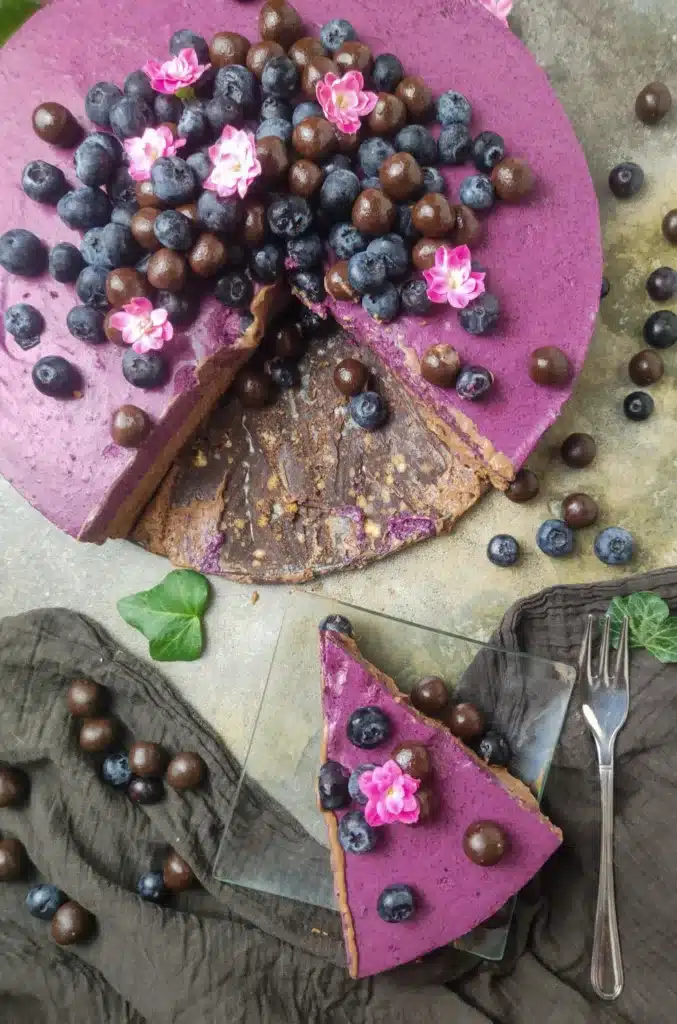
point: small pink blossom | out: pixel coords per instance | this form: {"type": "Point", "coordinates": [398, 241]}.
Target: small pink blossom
{"type": "Point", "coordinates": [178, 73]}
{"type": "Point", "coordinates": [143, 327]}
{"type": "Point", "coordinates": [144, 150]}
{"type": "Point", "coordinates": [390, 795]}
{"type": "Point", "coordinates": [236, 164]}
{"type": "Point", "coordinates": [500, 8]}
{"type": "Point", "coordinates": [452, 278]}
{"type": "Point", "coordinates": [344, 101]}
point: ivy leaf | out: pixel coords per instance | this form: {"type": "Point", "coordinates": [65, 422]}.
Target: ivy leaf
{"type": "Point", "coordinates": [170, 615]}
{"type": "Point", "coordinates": [663, 643]}
{"type": "Point", "coordinates": [645, 611]}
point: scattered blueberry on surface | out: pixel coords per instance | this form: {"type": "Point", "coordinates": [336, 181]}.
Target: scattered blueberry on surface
{"type": "Point", "coordinates": [96, 159]}
{"type": "Point", "coordinates": [368, 727]}
{"type": "Point", "coordinates": [167, 108]}
{"type": "Point", "coordinates": [368, 410]}
{"type": "Point", "coordinates": [137, 83]}
{"type": "Point", "coordinates": [22, 253]}
{"type": "Point", "coordinates": [221, 215]}
{"type": "Point", "coordinates": [332, 786]}
{"type": "Point", "coordinates": [454, 145]}
{"type": "Point", "coordinates": [638, 406]}
{"type": "Point", "coordinates": [309, 284]}
{"type": "Point", "coordinates": [418, 141]}
{"type": "Point", "coordinates": [660, 329]}
{"type": "Point", "coordinates": [194, 124]}
{"type": "Point", "coordinates": [275, 109]}
{"type": "Point", "coordinates": [110, 247]}
{"type": "Point", "coordinates": [371, 183]}
{"type": "Point", "coordinates": [614, 546]}
{"type": "Point", "coordinates": [488, 149]}
{"type": "Point", "coordinates": [335, 33]}
{"type": "Point", "coordinates": [625, 180]}
{"type": "Point", "coordinates": [493, 748]}
{"type": "Point", "coordinates": [24, 322]}
{"type": "Point", "coordinates": [396, 903]}
{"type": "Point", "coordinates": [367, 272]}
{"type": "Point", "coordinates": [555, 538]}
{"type": "Point", "coordinates": [182, 307]}
{"type": "Point", "coordinates": [174, 231]}
{"type": "Point", "coordinates": [404, 223]}
{"type": "Point", "coordinates": [55, 376]}
{"type": "Point", "coordinates": [65, 262]}
{"type": "Point", "coordinates": [116, 771]}
{"type": "Point", "coordinates": [339, 191]}
{"type": "Point", "coordinates": [337, 624]}
{"type": "Point", "coordinates": [86, 324]}
{"type": "Point", "coordinates": [220, 111]}
{"type": "Point", "coordinates": [99, 102]}
{"type": "Point", "coordinates": [130, 117]}
{"type": "Point", "coordinates": [354, 790]}
{"type": "Point", "coordinates": [280, 78]}
{"type": "Point", "coordinates": [453, 108]}
{"type": "Point", "coordinates": [151, 887]}
{"type": "Point", "coordinates": [237, 83]}
{"type": "Point", "coordinates": [414, 297]}
{"type": "Point", "coordinates": [355, 835]}
{"type": "Point", "coordinates": [306, 252]}
{"type": "Point", "coordinates": [234, 289]}
{"type": "Point", "coordinates": [305, 110]}
{"type": "Point", "coordinates": [43, 182]}
{"type": "Point", "coordinates": [284, 373]}
{"type": "Point", "coordinates": [200, 164]}
{"type": "Point", "coordinates": [384, 305]}
{"type": "Point", "coordinates": [372, 153]}
{"type": "Point", "coordinates": [184, 39]}
{"type": "Point", "coordinates": [503, 550]}
{"type": "Point", "coordinates": [267, 263]}
{"type": "Point", "coordinates": [477, 192]}
{"type": "Point", "coordinates": [433, 181]}
{"type": "Point", "coordinates": [84, 208]}
{"type": "Point", "coordinates": [144, 370]}
{"type": "Point", "coordinates": [289, 216]}
{"type": "Point", "coordinates": [346, 241]}
{"type": "Point", "coordinates": [90, 287]}
{"type": "Point", "coordinates": [481, 316]}
{"type": "Point", "coordinates": [277, 127]}
{"type": "Point", "coordinates": [43, 901]}
{"type": "Point", "coordinates": [387, 72]}
{"type": "Point", "coordinates": [173, 180]}
{"type": "Point", "coordinates": [122, 190]}
{"type": "Point", "coordinates": [474, 382]}
{"type": "Point", "coordinates": [394, 252]}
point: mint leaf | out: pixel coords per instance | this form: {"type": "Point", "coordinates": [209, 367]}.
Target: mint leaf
{"type": "Point", "coordinates": [645, 611]}
{"type": "Point", "coordinates": [170, 615]}
{"type": "Point", "coordinates": [663, 643]}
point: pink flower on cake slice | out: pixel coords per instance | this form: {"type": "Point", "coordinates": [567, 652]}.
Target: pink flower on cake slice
{"type": "Point", "coordinates": [236, 164]}
{"type": "Point", "coordinates": [499, 8]}
{"type": "Point", "coordinates": [452, 278]}
{"type": "Point", "coordinates": [178, 73]}
{"type": "Point", "coordinates": [390, 794]}
{"type": "Point", "coordinates": [344, 100]}
{"type": "Point", "coordinates": [144, 150]}
{"type": "Point", "coordinates": [143, 327]}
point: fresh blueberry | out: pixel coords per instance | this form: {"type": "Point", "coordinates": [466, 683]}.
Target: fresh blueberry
{"type": "Point", "coordinates": [130, 117]}
{"type": "Point", "coordinates": [304, 110]}
{"type": "Point", "coordinates": [493, 748]}
{"type": "Point", "coordinates": [614, 546]}
{"type": "Point", "coordinates": [337, 162]}
{"type": "Point", "coordinates": [383, 306]}
{"type": "Point", "coordinates": [110, 247]}
{"type": "Point", "coordinates": [477, 192]}
{"type": "Point", "coordinates": [137, 84]}
{"type": "Point", "coordinates": [372, 153]}
{"type": "Point", "coordinates": [147, 370]}
{"type": "Point", "coordinates": [200, 164]}
{"type": "Point", "coordinates": [368, 410]}
{"type": "Point", "coordinates": [43, 182]}
{"type": "Point", "coordinates": [174, 231]}
{"type": "Point", "coordinates": [90, 287]}
{"type": "Point", "coordinates": [220, 215]}
{"type": "Point", "coordinates": [43, 901]}
{"type": "Point", "coordinates": [503, 550]}
{"type": "Point", "coordinates": [332, 785]}
{"type": "Point", "coordinates": [22, 252]}
{"type": "Point", "coordinates": [235, 290]}
{"type": "Point", "coordinates": [404, 223]}
{"type": "Point", "coordinates": [142, 265]}
{"type": "Point", "coordinates": [220, 111]}
{"type": "Point", "coordinates": [24, 322]}
{"type": "Point", "coordinates": [394, 252]}
{"type": "Point", "coordinates": [115, 770]}
{"type": "Point", "coordinates": [167, 109]}
{"type": "Point", "coordinates": [339, 191]}
{"type": "Point", "coordinates": [182, 307]}
{"type": "Point", "coordinates": [660, 329]}
{"type": "Point", "coordinates": [453, 108]}
{"type": "Point", "coordinates": [123, 216]}
{"type": "Point", "coordinates": [396, 903]}
{"type": "Point", "coordinates": [309, 284]}
{"type": "Point", "coordinates": [488, 149]}
{"type": "Point", "coordinates": [414, 297]}
{"type": "Point", "coordinates": [280, 77]}
{"type": "Point", "coordinates": [454, 144]}
{"type": "Point", "coordinates": [335, 33]}
{"type": "Point", "coordinates": [122, 190]}
{"type": "Point", "coordinates": [273, 107]}
{"type": "Point", "coordinates": [418, 141]}
{"type": "Point", "coordinates": [86, 324]}
{"type": "Point", "coordinates": [306, 251]}
{"type": "Point", "coordinates": [368, 727]}
{"type": "Point", "coordinates": [173, 180]}
{"type": "Point", "coordinates": [283, 372]}
{"type": "Point", "coordinates": [84, 208]}
{"type": "Point", "coordinates": [275, 127]}
{"type": "Point", "coordinates": [555, 538]}
{"type": "Point", "coordinates": [267, 263]}
{"type": "Point", "coordinates": [337, 624]}
{"type": "Point", "coordinates": [65, 262]}
{"type": "Point", "coordinates": [355, 835]}
{"type": "Point", "coordinates": [151, 887]}
{"type": "Point", "coordinates": [371, 183]}
{"type": "Point", "coordinates": [311, 323]}
{"type": "Point", "coordinates": [433, 181]}
{"type": "Point", "coordinates": [481, 316]}
{"type": "Point", "coordinates": [367, 272]}
{"type": "Point", "coordinates": [474, 382]}
{"type": "Point", "coordinates": [625, 180]}
{"type": "Point", "coordinates": [290, 216]}
{"type": "Point", "coordinates": [55, 376]}
{"type": "Point", "coordinates": [638, 406]}
{"type": "Point", "coordinates": [194, 124]}
{"type": "Point", "coordinates": [99, 102]}
{"type": "Point", "coordinates": [184, 39]}
{"type": "Point", "coordinates": [346, 241]}
{"type": "Point", "coordinates": [387, 72]}
{"type": "Point", "coordinates": [354, 790]}
{"type": "Point", "coordinates": [237, 83]}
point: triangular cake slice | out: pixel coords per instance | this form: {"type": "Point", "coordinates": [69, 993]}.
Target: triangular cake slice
{"type": "Point", "coordinates": [452, 894]}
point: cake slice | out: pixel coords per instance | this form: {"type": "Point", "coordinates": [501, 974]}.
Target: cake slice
{"type": "Point", "coordinates": [448, 893]}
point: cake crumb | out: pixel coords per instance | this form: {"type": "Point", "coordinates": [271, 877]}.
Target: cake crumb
{"type": "Point", "coordinates": [318, 931]}
{"type": "Point", "coordinates": [254, 598]}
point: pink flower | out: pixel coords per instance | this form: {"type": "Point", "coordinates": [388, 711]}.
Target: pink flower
{"type": "Point", "coordinates": [236, 164]}
{"type": "Point", "coordinates": [178, 73]}
{"type": "Point", "coordinates": [143, 327]}
{"type": "Point", "coordinates": [500, 8]}
{"type": "Point", "coordinates": [390, 795]}
{"type": "Point", "coordinates": [144, 150]}
{"type": "Point", "coordinates": [452, 279]}
{"type": "Point", "coordinates": [344, 101]}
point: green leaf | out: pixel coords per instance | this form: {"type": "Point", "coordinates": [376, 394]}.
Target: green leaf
{"type": "Point", "coordinates": [169, 615]}
{"type": "Point", "coordinates": [645, 611]}
{"type": "Point", "coordinates": [663, 643]}
{"type": "Point", "coordinates": [13, 13]}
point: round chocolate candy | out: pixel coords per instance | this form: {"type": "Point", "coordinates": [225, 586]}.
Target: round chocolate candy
{"type": "Point", "coordinates": [423, 253]}
{"type": "Point", "coordinates": [484, 843]}
{"type": "Point", "coordinates": [287, 342]}
{"type": "Point", "coordinates": [524, 487]}
{"type": "Point", "coordinates": [313, 72]}
{"type": "Point", "coordinates": [373, 212]}
{"type": "Point", "coordinates": [72, 924]}
{"type": "Point", "coordinates": [167, 270]}
{"type": "Point", "coordinates": [354, 56]}
{"type": "Point", "coordinates": [427, 804]}
{"type": "Point", "coordinates": [86, 699]}
{"type": "Point", "coordinates": [14, 786]}
{"type": "Point", "coordinates": [54, 123]}
{"type": "Point", "coordinates": [348, 142]}
{"type": "Point", "coordinates": [145, 196]}
{"type": "Point", "coordinates": [661, 284]}
{"type": "Point", "coordinates": [260, 53]}
{"type": "Point", "coordinates": [513, 179]}
{"type": "Point", "coordinates": [468, 226]}
{"type": "Point", "coordinates": [280, 22]}
{"type": "Point", "coordinates": [254, 225]}
{"type": "Point", "coordinates": [337, 284]}
{"type": "Point", "coordinates": [273, 157]}
{"type": "Point", "coordinates": [304, 50]}
{"type": "Point", "coordinates": [430, 696]}
{"type": "Point", "coordinates": [130, 426]}
{"type": "Point", "coordinates": [145, 791]}
{"type": "Point", "coordinates": [253, 388]}
{"type": "Point", "coordinates": [401, 176]}
{"type": "Point", "coordinates": [579, 510]}
{"type": "Point", "coordinates": [465, 721]}
{"type": "Point", "coordinates": [653, 103]}
{"type": "Point", "coordinates": [413, 758]}
{"type": "Point", "coordinates": [314, 138]}
{"type": "Point", "coordinates": [207, 256]}
{"type": "Point", "coordinates": [143, 227]}
{"type": "Point", "coordinates": [305, 178]}
{"type": "Point", "coordinates": [113, 334]}
{"type": "Point", "coordinates": [388, 116]}
{"type": "Point", "coordinates": [147, 759]}
{"type": "Point", "coordinates": [433, 216]}
{"type": "Point", "coordinates": [549, 366]}
{"type": "Point", "coordinates": [186, 770]}
{"type": "Point", "coordinates": [228, 48]}
{"type": "Point", "coordinates": [176, 874]}
{"type": "Point", "coordinates": [646, 367]}
{"type": "Point", "coordinates": [440, 365]}
{"type": "Point", "coordinates": [13, 860]}
{"type": "Point", "coordinates": [669, 227]}
{"type": "Point", "coordinates": [578, 450]}
{"type": "Point", "coordinates": [350, 377]}
{"type": "Point", "coordinates": [125, 284]}
{"type": "Point", "coordinates": [416, 96]}
{"type": "Point", "coordinates": [98, 734]}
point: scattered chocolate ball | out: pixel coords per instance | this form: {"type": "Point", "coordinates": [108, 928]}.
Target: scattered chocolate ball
{"type": "Point", "coordinates": [354, 56]}
{"type": "Point", "coordinates": [465, 721]}
{"type": "Point", "coordinates": [579, 511]}
{"type": "Point", "coordinates": [125, 284]}
{"type": "Point", "coordinates": [207, 256]}
{"type": "Point", "coordinates": [549, 366]}
{"type": "Point", "coordinates": [661, 284]}
{"type": "Point", "coordinates": [578, 450]}
{"type": "Point", "coordinates": [186, 771]}
{"type": "Point", "coordinates": [287, 342]}
{"type": "Point", "coordinates": [143, 227]}
{"type": "Point", "coordinates": [524, 487]}
{"type": "Point", "coordinates": [413, 758]}
{"type": "Point", "coordinates": [388, 116]}
{"type": "Point", "coordinates": [401, 176]}
{"type": "Point", "coordinates": [423, 253]}
{"type": "Point", "coordinates": [113, 334]}
{"type": "Point", "coordinates": [86, 699]}
{"type": "Point", "coordinates": [626, 180]}
{"type": "Point", "coordinates": [350, 377]}
{"type": "Point", "coordinates": [14, 786]}
{"type": "Point", "coordinates": [646, 367]}
{"type": "Point", "coordinates": [147, 759]}
{"type": "Point", "coordinates": [72, 924]}
{"type": "Point", "coordinates": [176, 874]}
{"type": "Point", "coordinates": [669, 227]}
{"type": "Point", "coordinates": [259, 54]}
{"type": "Point", "coordinates": [337, 284]}
{"type": "Point", "coordinates": [280, 22]}
{"type": "Point", "coordinates": [433, 216]}
{"type": "Point", "coordinates": [373, 212]}
{"type": "Point", "coordinates": [145, 195]}
{"type": "Point", "coordinates": [54, 123]}
{"type": "Point", "coordinates": [430, 696]}
{"type": "Point", "coordinates": [305, 178]}
{"type": "Point", "coordinates": [273, 157]}
{"type": "Point", "coordinates": [228, 48]}
{"type": "Point", "coordinates": [484, 843]}
{"type": "Point", "coordinates": [468, 226]}
{"type": "Point", "coordinates": [427, 804]}
{"type": "Point", "coordinates": [315, 70]}
{"type": "Point", "coordinates": [145, 791]}
{"type": "Point", "coordinates": [304, 50]}
{"type": "Point", "coordinates": [440, 365]}
{"type": "Point", "coordinates": [13, 860]}
{"type": "Point", "coordinates": [513, 179]}
{"type": "Point", "coordinates": [254, 389]}
{"type": "Point", "coordinates": [254, 225]}
{"type": "Point", "coordinates": [653, 103]}
{"type": "Point", "coordinates": [348, 143]}
{"type": "Point", "coordinates": [130, 426]}
{"type": "Point", "coordinates": [416, 96]}
{"type": "Point", "coordinates": [167, 270]}
{"type": "Point", "coordinates": [314, 138]}
{"type": "Point", "coordinates": [98, 734]}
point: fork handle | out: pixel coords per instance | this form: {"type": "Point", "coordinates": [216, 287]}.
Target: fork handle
{"type": "Point", "coordinates": [606, 971]}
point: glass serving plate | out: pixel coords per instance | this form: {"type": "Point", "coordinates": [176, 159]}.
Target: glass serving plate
{"type": "Point", "coordinates": [526, 697]}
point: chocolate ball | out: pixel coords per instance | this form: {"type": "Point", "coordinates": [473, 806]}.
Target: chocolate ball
{"type": "Point", "coordinates": [337, 284]}
{"type": "Point", "coordinates": [280, 22]}
{"type": "Point", "coordinates": [669, 227]}
{"type": "Point", "coordinates": [354, 56]}
{"type": "Point", "coordinates": [176, 874]}
{"type": "Point", "coordinates": [305, 178]}
{"type": "Point", "coordinates": [304, 50]}
{"type": "Point", "coordinates": [423, 253]}
{"type": "Point", "coordinates": [315, 70]}
{"type": "Point", "coordinates": [145, 196]}
{"type": "Point", "coordinates": [413, 758]}
{"type": "Point", "coordinates": [54, 123]}
{"type": "Point", "coordinates": [72, 924]}
{"type": "Point", "coordinates": [86, 699]}
{"type": "Point", "coordinates": [416, 96]}
{"type": "Point", "coordinates": [646, 367]}
{"type": "Point", "coordinates": [388, 116]}
{"type": "Point", "coordinates": [126, 284]}
{"type": "Point", "coordinates": [254, 224]}
{"type": "Point", "coordinates": [14, 786]}
{"type": "Point", "coordinates": [549, 366]}
{"type": "Point", "coordinates": [145, 791]}
{"type": "Point", "coordinates": [465, 721]}
{"type": "Point", "coordinates": [468, 226]}
{"type": "Point", "coordinates": [186, 771]}
{"type": "Point", "coordinates": [228, 48]}
{"type": "Point", "coordinates": [13, 860]}
{"type": "Point", "coordinates": [130, 426]}
{"type": "Point", "coordinates": [400, 176]}
{"type": "Point", "coordinates": [189, 210]}
{"type": "Point", "coordinates": [143, 227]}
{"type": "Point", "coordinates": [167, 270]}
{"type": "Point", "coordinates": [350, 377]}
{"type": "Point", "coordinates": [287, 342]}
{"type": "Point", "coordinates": [433, 216]}
{"type": "Point", "coordinates": [113, 334]}
{"type": "Point", "coordinates": [208, 255]}
{"type": "Point", "coordinates": [430, 696]}
{"type": "Point", "coordinates": [524, 487]}
{"type": "Point", "coordinates": [373, 212]}
{"type": "Point", "coordinates": [579, 510]}
{"type": "Point", "coordinates": [98, 734]}
{"type": "Point", "coordinates": [512, 179]}
{"type": "Point", "coordinates": [653, 103]}
{"type": "Point", "coordinates": [147, 759]}
{"type": "Point", "coordinates": [254, 389]}
{"type": "Point", "coordinates": [349, 143]}
{"type": "Point", "coordinates": [314, 138]}
{"type": "Point", "coordinates": [259, 54]}
{"type": "Point", "coordinates": [578, 450]}
{"type": "Point", "coordinates": [484, 843]}
{"type": "Point", "coordinates": [273, 157]}
{"type": "Point", "coordinates": [440, 365]}
{"type": "Point", "coordinates": [427, 804]}
{"type": "Point", "coordinates": [661, 284]}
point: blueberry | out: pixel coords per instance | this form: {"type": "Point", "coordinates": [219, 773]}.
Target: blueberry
{"type": "Point", "coordinates": [184, 39]}
{"type": "Point", "coordinates": [280, 77]}
{"type": "Point", "coordinates": [433, 180]}
{"type": "Point", "coordinates": [367, 272]}
{"type": "Point", "coordinates": [237, 83]}
{"type": "Point", "coordinates": [86, 324]}
{"type": "Point", "coordinates": [368, 410]}
{"type": "Point", "coordinates": [304, 110]}
{"type": "Point", "coordinates": [368, 727]}
{"type": "Point", "coordinates": [371, 183]}
{"type": "Point", "coordinates": [273, 108]}
{"type": "Point", "coordinates": [309, 284]}
{"type": "Point", "coordinates": [474, 382]}
{"type": "Point", "coordinates": [338, 162]}
{"type": "Point", "coordinates": [173, 180]}
{"type": "Point", "coordinates": [339, 191]}
{"type": "Point", "coordinates": [130, 117]}
{"type": "Point", "coordinates": [43, 182]}
{"type": "Point", "coordinates": [383, 306]}
{"type": "Point", "coordinates": [174, 231]}
{"type": "Point", "coordinates": [283, 372]}
{"type": "Point", "coordinates": [137, 84]}
{"type": "Point", "coordinates": [493, 748]}
{"type": "Point", "coordinates": [332, 785]}
{"type": "Point", "coordinates": [182, 307]}
{"type": "Point", "coordinates": [306, 251]}
{"type": "Point", "coordinates": [418, 141]}
{"type": "Point", "coordinates": [453, 108]}
{"type": "Point", "coordinates": [267, 263]}
{"type": "Point", "coordinates": [625, 180]}
{"type": "Point", "coordinates": [200, 164]}
{"type": "Point", "coordinates": [275, 127]}
{"type": "Point", "coordinates": [55, 376]}
{"type": "Point", "coordinates": [354, 790]}
{"type": "Point", "coordinates": [503, 550]}
{"type": "Point", "coordinates": [122, 190]}
{"type": "Point", "coordinates": [65, 262]}
{"type": "Point", "coordinates": [90, 287]}
{"type": "Point", "coordinates": [220, 111]}
{"type": "Point", "coordinates": [110, 247]}
{"type": "Point", "coordinates": [355, 835]}
{"type": "Point", "coordinates": [555, 538]}
{"type": "Point", "coordinates": [22, 252]}
{"type": "Point", "coordinates": [290, 216]}
{"type": "Point", "coordinates": [454, 144]}
{"type": "Point", "coordinates": [606, 287]}
{"type": "Point", "coordinates": [396, 903]}
{"type": "Point", "coordinates": [142, 265]}
{"type": "Point", "coordinates": [123, 216]}
{"type": "Point", "coordinates": [477, 192]}
{"type": "Point", "coordinates": [414, 297]}
{"type": "Point", "coordinates": [84, 208]}
{"type": "Point", "coordinates": [147, 370]}
{"type": "Point", "coordinates": [43, 901]}
{"type": "Point", "coordinates": [614, 546]}
{"type": "Point", "coordinates": [346, 241]}
{"type": "Point", "coordinates": [116, 771]}
{"type": "Point", "coordinates": [481, 316]}
{"type": "Point", "coordinates": [99, 102]}
{"type": "Point", "coordinates": [661, 284]}
{"type": "Point", "coordinates": [167, 108]}
{"type": "Point", "coordinates": [638, 406]}
{"type": "Point", "coordinates": [404, 223]}
{"type": "Point", "coordinates": [235, 290]}
{"type": "Point", "coordinates": [194, 124]}
{"type": "Point", "coordinates": [151, 887]}
{"type": "Point", "coordinates": [24, 322]}
{"type": "Point", "coordinates": [337, 624]}
{"type": "Point", "coordinates": [372, 153]}
{"type": "Point", "coordinates": [394, 252]}
{"type": "Point", "coordinates": [387, 72]}
{"type": "Point", "coordinates": [220, 215]}
{"type": "Point", "coordinates": [488, 149]}
{"type": "Point", "coordinates": [335, 33]}
{"type": "Point", "coordinates": [311, 323]}
{"type": "Point", "coordinates": [660, 329]}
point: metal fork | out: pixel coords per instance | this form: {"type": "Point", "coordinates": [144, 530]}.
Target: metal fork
{"type": "Point", "coordinates": [606, 700]}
